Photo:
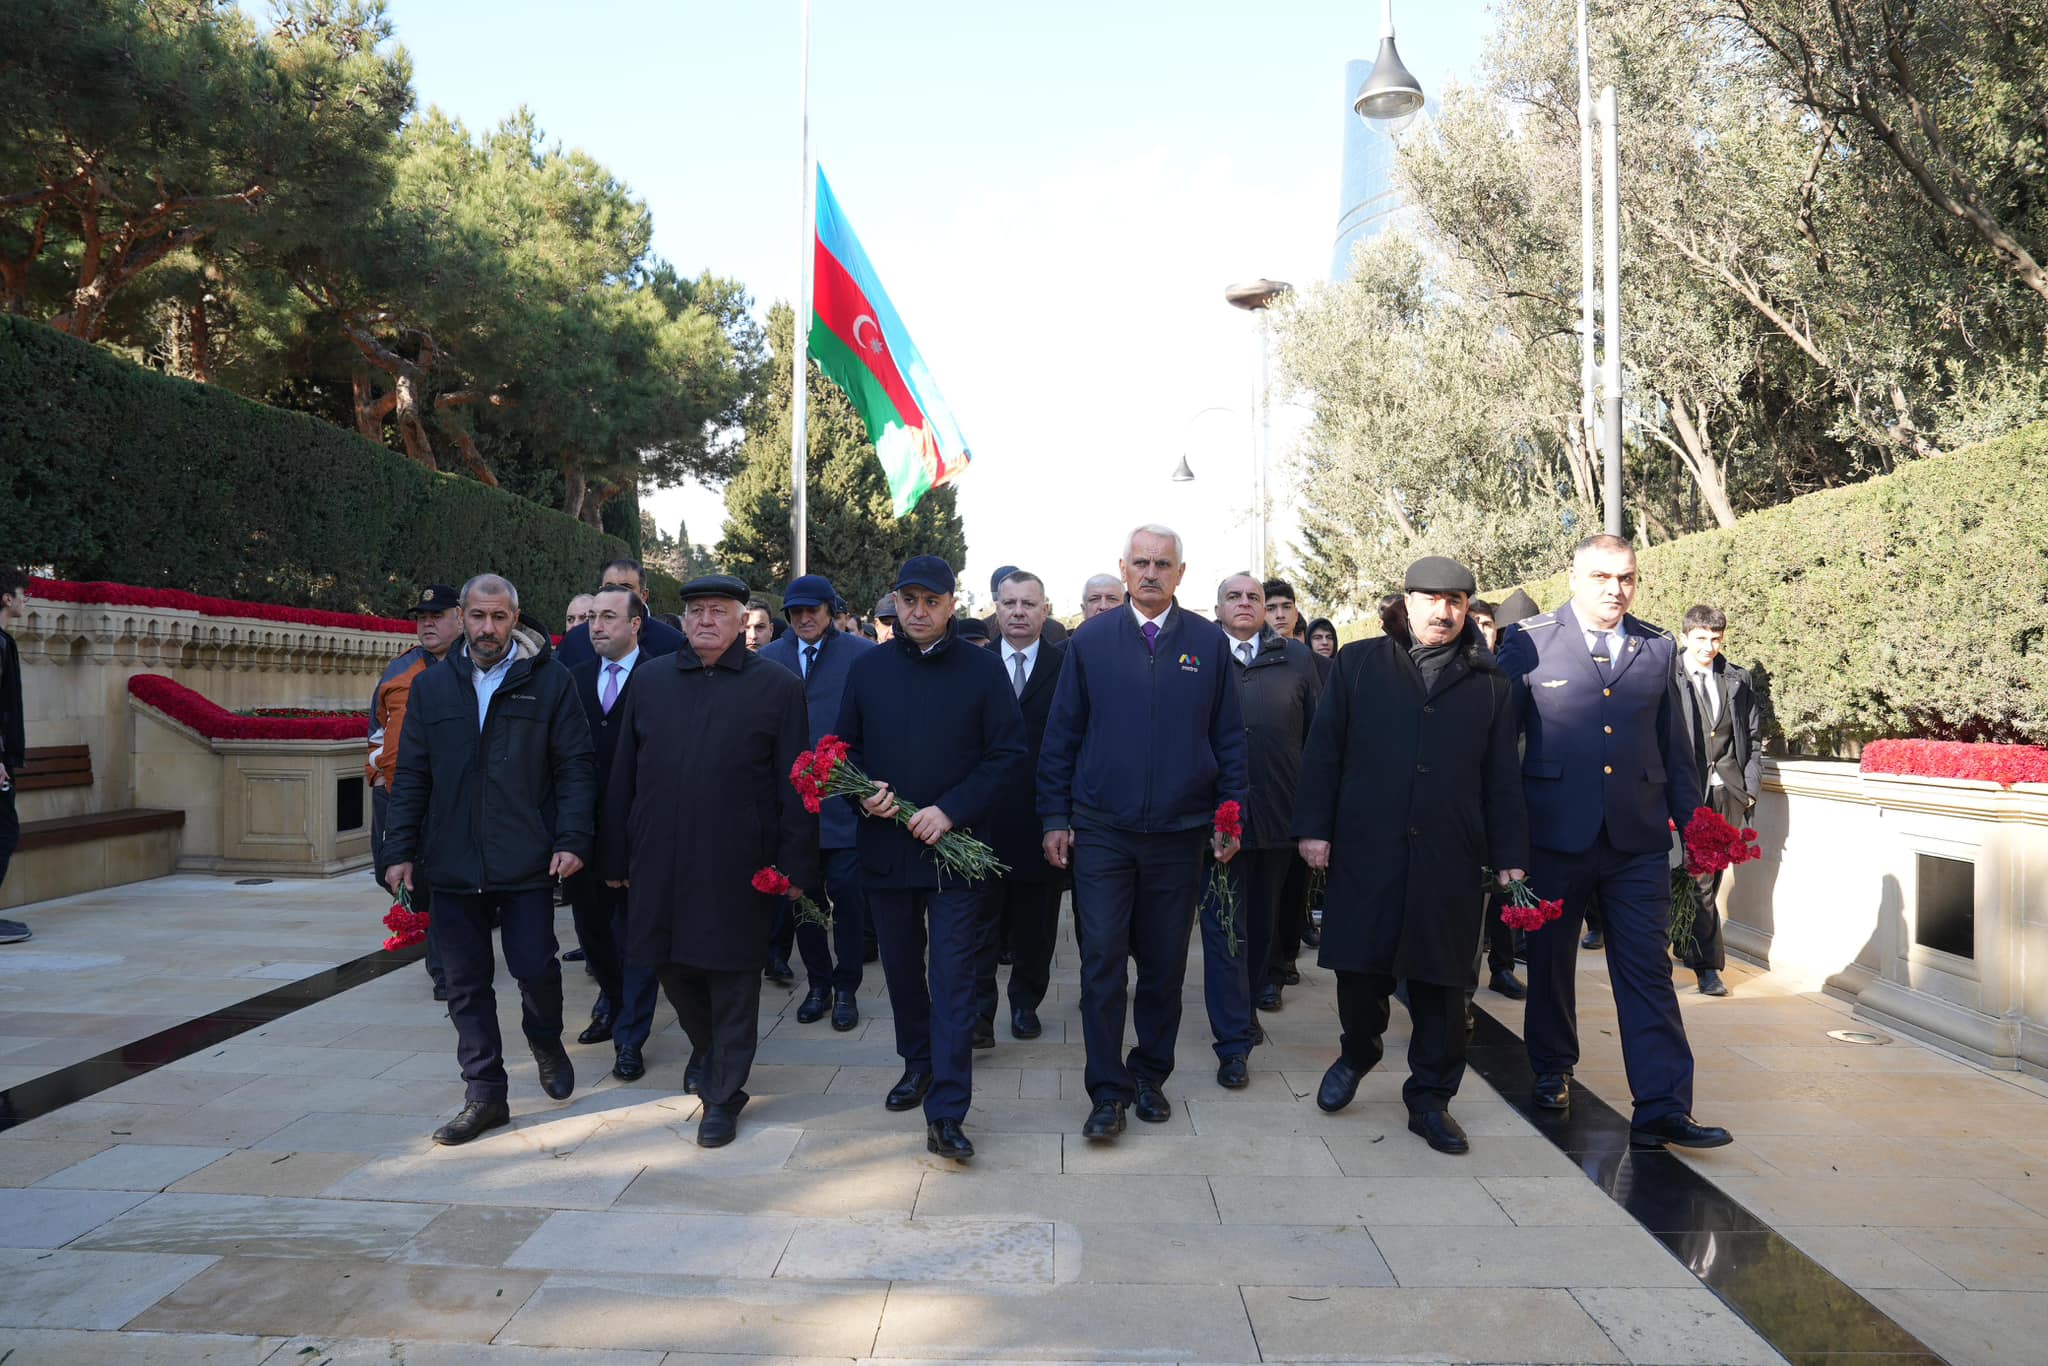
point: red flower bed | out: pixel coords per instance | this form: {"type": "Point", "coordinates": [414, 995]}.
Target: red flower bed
{"type": "Point", "coordinates": [2002, 764]}
{"type": "Point", "coordinates": [127, 595]}
{"type": "Point", "coordinates": [181, 704]}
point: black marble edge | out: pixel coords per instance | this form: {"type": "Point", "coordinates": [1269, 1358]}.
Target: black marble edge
{"type": "Point", "coordinates": [1803, 1310]}
{"type": "Point", "coordinates": [52, 1091]}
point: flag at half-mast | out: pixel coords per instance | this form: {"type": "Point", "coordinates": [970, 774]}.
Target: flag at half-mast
{"type": "Point", "coordinates": [861, 345]}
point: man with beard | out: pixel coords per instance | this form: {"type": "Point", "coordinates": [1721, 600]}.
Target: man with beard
{"type": "Point", "coordinates": [932, 718]}
{"type": "Point", "coordinates": [1145, 742]}
{"type": "Point", "coordinates": [1607, 774]}
{"type": "Point", "coordinates": [494, 798]}
{"type": "Point", "coordinates": [699, 802]}
{"type": "Point", "coordinates": [1409, 791]}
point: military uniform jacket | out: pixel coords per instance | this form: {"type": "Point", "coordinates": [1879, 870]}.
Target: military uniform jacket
{"type": "Point", "coordinates": [1417, 793]}
{"type": "Point", "coordinates": [1603, 745]}
{"type": "Point", "coordinates": [700, 799]}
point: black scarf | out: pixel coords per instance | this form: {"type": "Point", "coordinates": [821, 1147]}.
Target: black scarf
{"type": "Point", "coordinates": [1432, 659]}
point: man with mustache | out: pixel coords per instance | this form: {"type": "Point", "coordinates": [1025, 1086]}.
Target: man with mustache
{"type": "Point", "coordinates": [1145, 741]}
{"type": "Point", "coordinates": [495, 765]}
{"type": "Point", "coordinates": [1607, 774]}
{"type": "Point", "coordinates": [1409, 791]}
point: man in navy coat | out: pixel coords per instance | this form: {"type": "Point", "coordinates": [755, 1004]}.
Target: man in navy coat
{"type": "Point", "coordinates": [1145, 741]}
{"type": "Point", "coordinates": [931, 717]}
{"type": "Point", "coordinates": [821, 655]}
{"type": "Point", "coordinates": [1607, 769]}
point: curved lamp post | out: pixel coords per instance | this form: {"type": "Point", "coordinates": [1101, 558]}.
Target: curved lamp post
{"type": "Point", "coordinates": [1256, 296]}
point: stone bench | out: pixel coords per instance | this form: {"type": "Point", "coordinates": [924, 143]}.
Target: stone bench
{"type": "Point", "coordinates": [63, 855]}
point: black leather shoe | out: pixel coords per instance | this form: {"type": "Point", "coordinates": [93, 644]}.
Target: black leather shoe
{"type": "Point", "coordinates": [1439, 1131]}
{"type": "Point", "coordinates": [477, 1117]}
{"type": "Point", "coordinates": [778, 972]}
{"type": "Point", "coordinates": [629, 1066]}
{"type": "Point", "coordinates": [575, 955]}
{"type": "Point", "coordinates": [717, 1125]}
{"type": "Point", "coordinates": [1552, 1091]}
{"type": "Point", "coordinates": [1311, 937]}
{"type": "Point", "coordinates": [1680, 1130]}
{"type": "Point", "coordinates": [984, 1034]}
{"type": "Point", "coordinates": [1711, 983]}
{"type": "Point", "coordinates": [943, 1138]}
{"type": "Point", "coordinates": [1106, 1120]}
{"type": "Point", "coordinates": [1258, 1033]}
{"type": "Point", "coordinates": [908, 1093]}
{"type": "Point", "coordinates": [599, 1030]}
{"type": "Point", "coordinates": [1593, 940]}
{"type": "Point", "coordinates": [693, 1075]}
{"type": "Point", "coordinates": [1340, 1084]}
{"type": "Point", "coordinates": [1269, 996]}
{"type": "Point", "coordinates": [1507, 984]}
{"type": "Point", "coordinates": [1232, 1074]}
{"type": "Point", "coordinates": [440, 993]}
{"type": "Point", "coordinates": [845, 1011]}
{"type": "Point", "coordinates": [813, 1008]}
{"type": "Point", "coordinates": [1151, 1106]}
{"type": "Point", "coordinates": [1291, 977]}
{"type": "Point", "coordinates": [1024, 1024]}
{"type": "Point", "coordinates": [557, 1073]}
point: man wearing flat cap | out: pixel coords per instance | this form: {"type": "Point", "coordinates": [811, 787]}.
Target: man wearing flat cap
{"type": "Point", "coordinates": [821, 655]}
{"type": "Point", "coordinates": [885, 618]}
{"type": "Point", "coordinates": [699, 801]}
{"type": "Point", "coordinates": [934, 719]}
{"type": "Point", "coordinates": [1410, 789]}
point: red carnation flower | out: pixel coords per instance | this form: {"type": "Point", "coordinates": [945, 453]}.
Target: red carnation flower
{"type": "Point", "coordinates": [1229, 821]}
{"type": "Point", "coordinates": [770, 882]}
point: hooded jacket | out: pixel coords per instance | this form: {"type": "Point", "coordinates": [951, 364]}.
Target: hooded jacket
{"type": "Point", "coordinates": [500, 798]}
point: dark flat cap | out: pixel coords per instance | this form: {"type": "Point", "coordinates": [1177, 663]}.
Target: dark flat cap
{"type": "Point", "coordinates": [885, 607]}
{"type": "Point", "coordinates": [812, 590]}
{"type": "Point", "coordinates": [716, 586]}
{"type": "Point", "coordinates": [971, 628]}
{"type": "Point", "coordinates": [1439, 574]}
{"type": "Point", "coordinates": [435, 597]}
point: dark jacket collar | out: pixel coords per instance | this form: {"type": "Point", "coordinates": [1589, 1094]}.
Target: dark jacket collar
{"type": "Point", "coordinates": [916, 651]}
{"type": "Point", "coordinates": [734, 659]}
{"type": "Point", "coordinates": [1473, 653]}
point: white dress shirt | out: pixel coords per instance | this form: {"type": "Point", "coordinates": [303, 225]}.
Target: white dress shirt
{"type": "Point", "coordinates": [1030, 653]}
{"type": "Point", "coordinates": [1159, 621]}
{"type": "Point", "coordinates": [1610, 643]}
{"type": "Point", "coordinates": [1244, 651]}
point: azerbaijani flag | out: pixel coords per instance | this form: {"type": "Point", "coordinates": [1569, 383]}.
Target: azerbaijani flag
{"type": "Point", "coordinates": [860, 344]}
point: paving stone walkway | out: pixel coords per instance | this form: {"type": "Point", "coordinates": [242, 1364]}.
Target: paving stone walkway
{"type": "Point", "coordinates": [275, 1199]}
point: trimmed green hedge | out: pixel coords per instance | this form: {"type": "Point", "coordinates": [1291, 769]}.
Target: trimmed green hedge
{"type": "Point", "coordinates": [112, 471]}
{"type": "Point", "coordinates": [1911, 605]}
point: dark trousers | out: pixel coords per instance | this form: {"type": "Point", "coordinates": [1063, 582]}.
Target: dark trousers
{"type": "Point", "coordinates": [1134, 898]}
{"type": "Point", "coordinates": [526, 920]}
{"type": "Point", "coordinates": [422, 895]}
{"type": "Point", "coordinates": [1436, 1036]}
{"type": "Point", "coordinates": [1259, 876]}
{"type": "Point", "coordinates": [625, 991]}
{"type": "Point", "coordinates": [1707, 951]}
{"type": "Point", "coordinates": [1026, 916]}
{"type": "Point", "coordinates": [932, 996]}
{"type": "Point", "coordinates": [1634, 892]}
{"type": "Point", "coordinates": [10, 827]}
{"type": "Point", "coordinates": [834, 965]}
{"type": "Point", "coordinates": [1290, 918]}
{"type": "Point", "coordinates": [721, 1012]}
{"type": "Point", "coordinates": [1499, 940]}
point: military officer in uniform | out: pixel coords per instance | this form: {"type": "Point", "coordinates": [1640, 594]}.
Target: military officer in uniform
{"type": "Point", "coordinates": [1607, 768]}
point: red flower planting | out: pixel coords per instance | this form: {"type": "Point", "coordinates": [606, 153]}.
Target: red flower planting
{"type": "Point", "coordinates": [187, 707]}
{"type": "Point", "coordinates": [407, 926]}
{"type": "Point", "coordinates": [2002, 764]}
{"type": "Point", "coordinates": [128, 595]}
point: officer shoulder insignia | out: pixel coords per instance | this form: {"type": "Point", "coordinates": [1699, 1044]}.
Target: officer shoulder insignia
{"type": "Point", "coordinates": [1651, 628]}
{"type": "Point", "coordinates": [1538, 623]}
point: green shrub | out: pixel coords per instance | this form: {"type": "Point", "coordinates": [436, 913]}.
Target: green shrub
{"type": "Point", "coordinates": [112, 471]}
{"type": "Point", "coordinates": [1911, 605]}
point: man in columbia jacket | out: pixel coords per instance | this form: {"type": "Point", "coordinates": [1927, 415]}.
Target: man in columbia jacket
{"type": "Point", "coordinates": [495, 798]}
{"type": "Point", "coordinates": [1145, 741]}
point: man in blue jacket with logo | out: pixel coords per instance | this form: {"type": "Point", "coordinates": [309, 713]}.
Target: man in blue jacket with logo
{"type": "Point", "coordinates": [1607, 767]}
{"type": "Point", "coordinates": [822, 655]}
{"type": "Point", "coordinates": [1145, 741]}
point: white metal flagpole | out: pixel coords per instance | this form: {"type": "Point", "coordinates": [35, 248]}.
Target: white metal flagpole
{"type": "Point", "coordinates": [1588, 370]}
{"type": "Point", "coordinates": [800, 350]}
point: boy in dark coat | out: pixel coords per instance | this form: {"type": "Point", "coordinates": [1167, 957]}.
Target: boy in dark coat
{"type": "Point", "coordinates": [1409, 790]}
{"type": "Point", "coordinates": [933, 719]}
{"type": "Point", "coordinates": [699, 801]}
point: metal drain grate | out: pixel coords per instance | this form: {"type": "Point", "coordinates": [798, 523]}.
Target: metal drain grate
{"type": "Point", "coordinates": [1857, 1036]}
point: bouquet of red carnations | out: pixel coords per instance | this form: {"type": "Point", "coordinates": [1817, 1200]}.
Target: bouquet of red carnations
{"type": "Point", "coordinates": [827, 772]}
{"type": "Point", "coordinates": [771, 881]}
{"type": "Point", "coordinates": [1525, 910]}
{"type": "Point", "coordinates": [1711, 846]}
{"type": "Point", "coordinates": [1225, 826]}
{"type": "Point", "coordinates": [407, 926]}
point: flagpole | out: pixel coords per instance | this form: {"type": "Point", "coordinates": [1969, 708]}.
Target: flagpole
{"type": "Point", "coordinates": [799, 448]}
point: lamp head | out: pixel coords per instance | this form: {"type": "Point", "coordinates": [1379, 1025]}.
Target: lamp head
{"type": "Point", "coordinates": [1391, 96]}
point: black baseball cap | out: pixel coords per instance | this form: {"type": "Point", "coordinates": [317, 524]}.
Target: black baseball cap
{"type": "Point", "coordinates": [928, 572]}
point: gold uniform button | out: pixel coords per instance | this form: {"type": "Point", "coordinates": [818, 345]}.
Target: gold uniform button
{"type": "Point", "coordinates": [1608, 769]}
{"type": "Point", "coordinates": [1607, 692]}
{"type": "Point", "coordinates": [1608, 729]}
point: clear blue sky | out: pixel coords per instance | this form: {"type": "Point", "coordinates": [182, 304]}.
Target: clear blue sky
{"type": "Point", "coordinates": [1054, 194]}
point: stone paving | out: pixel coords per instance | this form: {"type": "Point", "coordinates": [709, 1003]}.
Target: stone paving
{"type": "Point", "coordinates": [275, 1198]}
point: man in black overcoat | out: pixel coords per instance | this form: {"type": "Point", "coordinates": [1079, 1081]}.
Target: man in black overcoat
{"type": "Point", "coordinates": [1410, 789]}
{"type": "Point", "coordinates": [699, 801]}
{"type": "Point", "coordinates": [1726, 727]}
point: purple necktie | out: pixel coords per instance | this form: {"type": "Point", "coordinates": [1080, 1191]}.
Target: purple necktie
{"type": "Point", "coordinates": [1151, 630]}
{"type": "Point", "coordinates": [611, 687]}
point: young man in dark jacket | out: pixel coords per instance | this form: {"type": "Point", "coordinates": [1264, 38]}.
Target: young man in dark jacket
{"type": "Point", "coordinates": [1726, 726]}
{"type": "Point", "coordinates": [936, 721]}
{"type": "Point", "coordinates": [1145, 742]}
{"type": "Point", "coordinates": [495, 765]}
{"type": "Point", "coordinates": [13, 597]}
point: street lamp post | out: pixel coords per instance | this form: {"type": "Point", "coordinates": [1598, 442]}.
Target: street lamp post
{"type": "Point", "coordinates": [1391, 96]}
{"type": "Point", "coordinates": [1256, 296]}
